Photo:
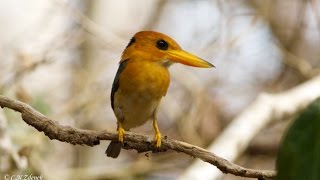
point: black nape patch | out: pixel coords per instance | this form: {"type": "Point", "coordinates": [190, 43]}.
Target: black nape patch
{"type": "Point", "coordinates": [132, 40]}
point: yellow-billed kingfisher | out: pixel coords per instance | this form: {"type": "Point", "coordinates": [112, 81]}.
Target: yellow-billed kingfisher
{"type": "Point", "coordinates": [142, 80]}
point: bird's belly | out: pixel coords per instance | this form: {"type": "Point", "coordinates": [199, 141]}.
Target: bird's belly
{"type": "Point", "coordinates": [141, 87]}
{"type": "Point", "coordinates": [135, 108]}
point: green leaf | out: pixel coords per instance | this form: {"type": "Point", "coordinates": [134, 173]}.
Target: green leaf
{"type": "Point", "coordinates": [299, 154]}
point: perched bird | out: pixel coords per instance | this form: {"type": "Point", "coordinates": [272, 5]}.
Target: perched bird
{"type": "Point", "coordinates": [142, 80]}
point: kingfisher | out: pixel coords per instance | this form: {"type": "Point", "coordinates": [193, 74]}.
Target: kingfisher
{"type": "Point", "coordinates": [142, 80]}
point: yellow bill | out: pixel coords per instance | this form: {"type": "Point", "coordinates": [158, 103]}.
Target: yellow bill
{"type": "Point", "coordinates": [186, 58]}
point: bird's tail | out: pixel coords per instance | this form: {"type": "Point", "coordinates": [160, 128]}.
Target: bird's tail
{"type": "Point", "coordinates": [114, 149]}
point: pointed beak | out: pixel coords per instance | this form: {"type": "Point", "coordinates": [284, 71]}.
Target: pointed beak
{"type": "Point", "coordinates": [183, 57]}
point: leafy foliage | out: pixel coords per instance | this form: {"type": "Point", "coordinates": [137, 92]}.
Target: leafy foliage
{"type": "Point", "coordinates": [299, 154]}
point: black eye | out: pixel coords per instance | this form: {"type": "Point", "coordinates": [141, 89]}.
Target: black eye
{"type": "Point", "coordinates": [162, 44]}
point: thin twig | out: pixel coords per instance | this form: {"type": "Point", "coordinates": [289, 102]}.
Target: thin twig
{"type": "Point", "coordinates": [299, 64]}
{"type": "Point", "coordinates": [141, 143]}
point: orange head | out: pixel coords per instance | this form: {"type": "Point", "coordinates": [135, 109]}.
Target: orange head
{"type": "Point", "coordinates": [160, 48]}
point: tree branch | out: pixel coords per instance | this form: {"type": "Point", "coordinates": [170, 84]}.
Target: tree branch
{"type": "Point", "coordinates": [135, 141]}
{"type": "Point", "coordinates": [267, 108]}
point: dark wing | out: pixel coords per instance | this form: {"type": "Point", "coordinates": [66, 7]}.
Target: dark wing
{"type": "Point", "coordinates": [115, 85]}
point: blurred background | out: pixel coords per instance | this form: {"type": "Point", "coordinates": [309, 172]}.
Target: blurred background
{"type": "Point", "coordinates": [61, 56]}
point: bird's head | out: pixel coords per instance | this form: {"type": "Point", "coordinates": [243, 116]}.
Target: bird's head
{"type": "Point", "coordinates": [160, 48]}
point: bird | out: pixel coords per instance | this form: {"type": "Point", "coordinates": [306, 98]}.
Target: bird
{"type": "Point", "coordinates": [142, 80]}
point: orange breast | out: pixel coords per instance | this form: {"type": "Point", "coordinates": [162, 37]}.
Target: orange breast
{"type": "Point", "coordinates": [145, 78]}
{"type": "Point", "coordinates": [141, 87]}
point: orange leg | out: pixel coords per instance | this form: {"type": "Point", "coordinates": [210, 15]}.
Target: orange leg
{"type": "Point", "coordinates": [120, 132]}
{"type": "Point", "coordinates": [157, 136]}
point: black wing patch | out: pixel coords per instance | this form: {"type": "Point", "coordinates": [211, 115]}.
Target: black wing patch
{"type": "Point", "coordinates": [115, 85]}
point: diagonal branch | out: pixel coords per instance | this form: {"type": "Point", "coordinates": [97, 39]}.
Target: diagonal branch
{"type": "Point", "coordinates": [267, 108]}
{"type": "Point", "coordinates": [135, 141]}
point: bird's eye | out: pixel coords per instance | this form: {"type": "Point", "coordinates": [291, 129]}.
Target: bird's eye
{"type": "Point", "coordinates": [162, 44]}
